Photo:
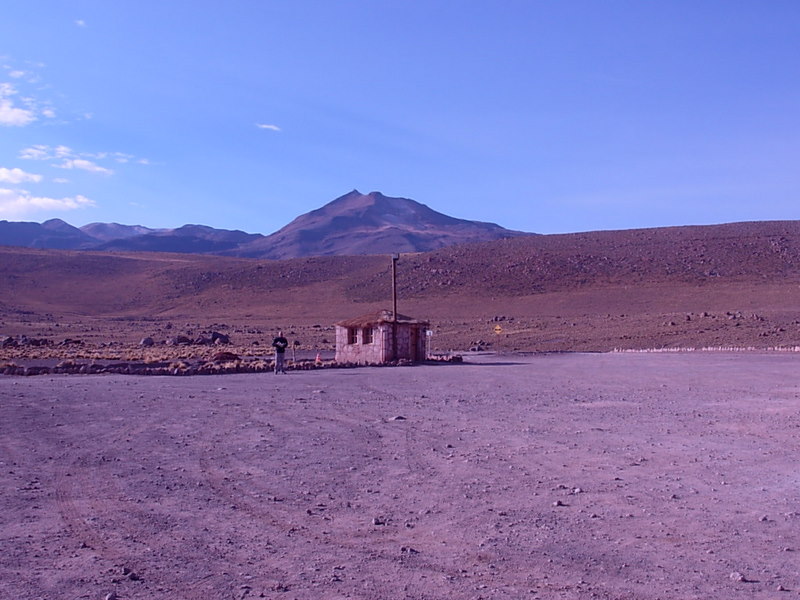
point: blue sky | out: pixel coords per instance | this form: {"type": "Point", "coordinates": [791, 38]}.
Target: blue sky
{"type": "Point", "coordinates": [544, 116]}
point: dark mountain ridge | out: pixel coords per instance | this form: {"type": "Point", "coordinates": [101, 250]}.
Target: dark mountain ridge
{"type": "Point", "coordinates": [115, 231]}
{"type": "Point", "coordinates": [53, 234]}
{"type": "Point", "coordinates": [372, 223]}
{"type": "Point", "coordinates": [354, 224]}
{"type": "Point", "coordinates": [189, 239]}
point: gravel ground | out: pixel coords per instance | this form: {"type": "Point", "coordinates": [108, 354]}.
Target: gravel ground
{"type": "Point", "coordinates": [574, 476]}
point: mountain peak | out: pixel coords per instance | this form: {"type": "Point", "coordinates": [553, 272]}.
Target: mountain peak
{"type": "Point", "coordinates": [356, 198]}
{"type": "Point", "coordinates": [57, 225]}
{"type": "Point", "coordinates": [372, 223]}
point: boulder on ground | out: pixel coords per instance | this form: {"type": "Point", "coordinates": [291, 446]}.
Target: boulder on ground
{"type": "Point", "coordinates": [24, 340]}
{"type": "Point", "coordinates": [225, 357]}
{"type": "Point", "coordinates": [220, 338]}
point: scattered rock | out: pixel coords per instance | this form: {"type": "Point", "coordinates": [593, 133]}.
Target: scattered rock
{"type": "Point", "coordinates": [147, 342]}
{"type": "Point", "coordinates": [736, 576]}
{"type": "Point", "coordinates": [219, 338]}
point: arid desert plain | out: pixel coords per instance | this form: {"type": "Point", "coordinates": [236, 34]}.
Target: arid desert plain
{"type": "Point", "coordinates": [551, 468]}
{"type": "Point", "coordinates": [569, 476]}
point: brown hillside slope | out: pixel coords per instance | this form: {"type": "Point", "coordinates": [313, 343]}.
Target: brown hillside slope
{"type": "Point", "coordinates": [673, 287]}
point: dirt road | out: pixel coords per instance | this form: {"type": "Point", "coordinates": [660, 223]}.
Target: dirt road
{"type": "Point", "coordinates": [569, 476]}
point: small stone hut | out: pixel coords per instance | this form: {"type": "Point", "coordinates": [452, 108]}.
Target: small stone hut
{"type": "Point", "coordinates": [376, 338]}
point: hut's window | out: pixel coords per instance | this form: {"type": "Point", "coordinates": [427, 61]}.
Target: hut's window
{"type": "Point", "coordinates": [367, 335]}
{"type": "Point", "coordinates": [352, 335]}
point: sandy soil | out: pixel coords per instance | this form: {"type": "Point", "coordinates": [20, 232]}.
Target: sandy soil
{"type": "Point", "coordinates": [570, 476]}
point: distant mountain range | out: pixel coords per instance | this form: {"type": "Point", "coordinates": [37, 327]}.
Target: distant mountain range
{"type": "Point", "coordinates": [353, 224]}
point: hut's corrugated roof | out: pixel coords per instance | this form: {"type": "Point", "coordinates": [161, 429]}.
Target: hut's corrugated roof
{"type": "Point", "coordinates": [376, 318]}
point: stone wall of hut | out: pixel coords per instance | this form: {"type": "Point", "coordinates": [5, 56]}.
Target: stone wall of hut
{"type": "Point", "coordinates": [410, 344]}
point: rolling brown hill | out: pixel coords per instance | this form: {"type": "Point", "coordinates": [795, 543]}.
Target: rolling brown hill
{"type": "Point", "coordinates": [724, 285]}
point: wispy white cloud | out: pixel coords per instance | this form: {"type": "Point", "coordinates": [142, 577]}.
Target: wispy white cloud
{"type": "Point", "coordinates": [18, 203]}
{"type": "Point", "coordinates": [23, 75]}
{"type": "Point", "coordinates": [80, 22]}
{"type": "Point", "coordinates": [22, 96]}
{"type": "Point", "coordinates": [120, 157]}
{"type": "Point", "coordinates": [67, 158]}
{"type": "Point", "coordinates": [268, 126]}
{"type": "Point", "coordinates": [37, 152]}
{"type": "Point", "coordinates": [18, 176]}
{"type": "Point", "coordinates": [60, 180]}
{"type": "Point", "coordinates": [12, 115]}
{"type": "Point", "coordinates": [83, 165]}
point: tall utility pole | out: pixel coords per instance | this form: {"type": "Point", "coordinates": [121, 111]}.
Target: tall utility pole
{"type": "Point", "coordinates": [394, 286]}
{"type": "Point", "coordinates": [395, 257]}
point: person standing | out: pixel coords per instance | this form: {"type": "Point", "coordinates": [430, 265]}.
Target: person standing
{"type": "Point", "coordinates": [280, 344]}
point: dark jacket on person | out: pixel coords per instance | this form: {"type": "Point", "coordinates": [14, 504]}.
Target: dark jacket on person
{"type": "Point", "coordinates": [280, 344]}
